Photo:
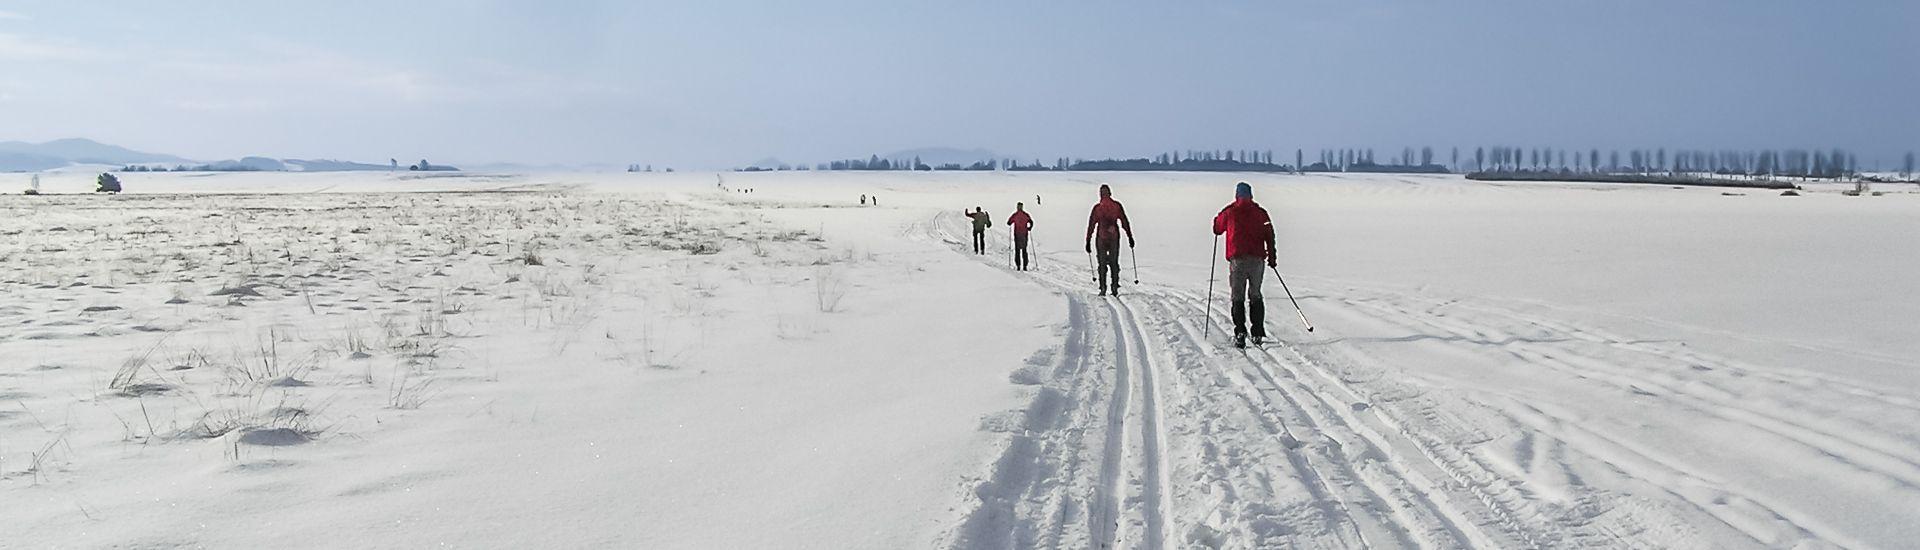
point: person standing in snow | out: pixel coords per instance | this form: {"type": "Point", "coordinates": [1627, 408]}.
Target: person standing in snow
{"type": "Point", "coordinates": [1107, 220]}
{"type": "Point", "coordinates": [1249, 234]}
{"type": "Point", "coordinates": [863, 200]}
{"type": "Point", "coordinates": [981, 221]}
{"type": "Point", "coordinates": [1021, 224]}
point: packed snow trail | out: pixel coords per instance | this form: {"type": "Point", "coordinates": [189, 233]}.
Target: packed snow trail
{"type": "Point", "coordinates": [1326, 445]}
{"type": "Point", "coordinates": [1335, 504]}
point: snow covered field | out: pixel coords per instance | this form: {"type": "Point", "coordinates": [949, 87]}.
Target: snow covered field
{"type": "Point", "coordinates": [647, 360]}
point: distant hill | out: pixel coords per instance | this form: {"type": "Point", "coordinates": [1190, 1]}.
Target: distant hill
{"type": "Point", "coordinates": [79, 151]}
{"type": "Point", "coordinates": [20, 156]}
{"type": "Point", "coordinates": [329, 165]}
{"type": "Point", "coordinates": [25, 162]}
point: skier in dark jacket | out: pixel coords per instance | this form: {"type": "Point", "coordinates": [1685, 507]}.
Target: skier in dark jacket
{"type": "Point", "coordinates": [1249, 234]}
{"type": "Point", "coordinates": [1106, 222]}
{"type": "Point", "coordinates": [1021, 224]}
{"type": "Point", "coordinates": [981, 221]}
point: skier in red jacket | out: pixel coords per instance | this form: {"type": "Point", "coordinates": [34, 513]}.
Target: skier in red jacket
{"type": "Point", "coordinates": [1107, 219]}
{"type": "Point", "coordinates": [1249, 234]}
{"type": "Point", "coordinates": [1021, 224]}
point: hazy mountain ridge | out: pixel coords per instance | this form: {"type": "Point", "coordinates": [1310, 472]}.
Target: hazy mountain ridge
{"type": "Point", "coordinates": [21, 156]}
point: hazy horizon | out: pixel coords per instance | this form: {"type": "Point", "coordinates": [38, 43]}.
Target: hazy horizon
{"type": "Point", "coordinates": [722, 84]}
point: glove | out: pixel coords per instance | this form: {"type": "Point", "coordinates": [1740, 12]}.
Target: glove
{"type": "Point", "coordinates": [1089, 247]}
{"type": "Point", "coordinates": [1131, 242]}
{"type": "Point", "coordinates": [1271, 263]}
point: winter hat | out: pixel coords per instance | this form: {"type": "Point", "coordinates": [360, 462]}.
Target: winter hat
{"type": "Point", "coordinates": [1242, 191]}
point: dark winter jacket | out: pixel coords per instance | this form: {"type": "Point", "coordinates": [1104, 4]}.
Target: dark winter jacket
{"type": "Point", "coordinates": [981, 221]}
{"type": "Point", "coordinates": [1248, 229]}
{"type": "Point", "coordinates": [1107, 219]}
{"type": "Point", "coordinates": [1020, 222]}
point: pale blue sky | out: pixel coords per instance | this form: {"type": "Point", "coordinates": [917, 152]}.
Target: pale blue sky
{"type": "Point", "coordinates": [718, 83]}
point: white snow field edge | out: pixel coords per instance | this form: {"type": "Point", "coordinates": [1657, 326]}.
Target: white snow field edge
{"type": "Point", "coordinates": [690, 365]}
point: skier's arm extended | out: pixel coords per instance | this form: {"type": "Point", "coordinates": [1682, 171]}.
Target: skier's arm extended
{"type": "Point", "coordinates": [1125, 224]}
{"type": "Point", "coordinates": [1273, 252]}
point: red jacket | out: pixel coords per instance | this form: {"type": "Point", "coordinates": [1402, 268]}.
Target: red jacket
{"type": "Point", "coordinates": [1020, 222]}
{"type": "Point", "coordinates": [1248, 228]}
{"type": "Point", "coordinates": [1108, 218]}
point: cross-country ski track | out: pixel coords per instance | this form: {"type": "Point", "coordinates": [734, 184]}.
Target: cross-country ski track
{"type": "Point", "coordinates": [1158, 436]}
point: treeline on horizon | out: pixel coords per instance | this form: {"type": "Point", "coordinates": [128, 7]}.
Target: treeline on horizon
{"type": "Point", "coordinates": [1798, 163]}
{"type": "Point", "coordinates": [1224, 160]}
{"type": "Point", "coordinates": [1763, 163]}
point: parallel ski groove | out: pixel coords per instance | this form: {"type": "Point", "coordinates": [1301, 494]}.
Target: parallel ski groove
{"type": "Point", "coordinates": [1431, 490]}
{"type": "Point", "coordinates": [1153, 459]}
{"type": "Point", "coordinates": [1308, 462]}
{"type": "Point", "coordinates": [1107, 501]}
{"type": "Point", "coordinates": [1314, 410]}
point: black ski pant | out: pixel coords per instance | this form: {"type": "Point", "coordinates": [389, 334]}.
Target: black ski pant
{"type": "Point", "coordinates": [1243, 281]}
{"type": "Point", "coordinates": [979, 241]}
{"type": "Point", "coordinates": [1020, 259]}
{"type": "Point", "coordinates": [1107, 253]}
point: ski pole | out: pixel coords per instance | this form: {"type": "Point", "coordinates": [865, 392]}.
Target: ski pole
{"type": "Point", "coordinates": [1096, 272]}
{"type": "Point", "coordinates": [1206, 309]}
{"type": "Point", "coordinates": [1296, 303]}
{"type": "Point", "coordinates": [1134, 257]}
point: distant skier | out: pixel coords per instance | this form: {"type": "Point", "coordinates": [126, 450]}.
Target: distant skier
{"type": "Point", "coordinates": [981, 221]}
{"type": "Point", "coordinates": [1021, 224]}
{"type": "Point", "coordinates": [1249, 234]}
{"type": "Point", "coordinates": [863, 200]}
{"type": "Point", "coordinates": [1107, 219]}
{"type": "Point", "coordinates": [1036, 200]}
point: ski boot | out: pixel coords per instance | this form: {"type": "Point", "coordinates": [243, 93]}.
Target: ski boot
{"type": "Point", "coordinates": [1240, 341]}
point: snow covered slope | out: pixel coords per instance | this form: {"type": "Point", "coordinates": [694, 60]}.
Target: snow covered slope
{"type": "Point", "coordinates": [648, 360]}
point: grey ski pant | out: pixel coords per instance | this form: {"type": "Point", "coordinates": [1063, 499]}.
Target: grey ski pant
{"type": "Point", "coordinates": [1243, 280]}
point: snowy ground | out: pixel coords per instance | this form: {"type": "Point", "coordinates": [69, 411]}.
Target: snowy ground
{"type": "Point", "coordinates": [242, 360]}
